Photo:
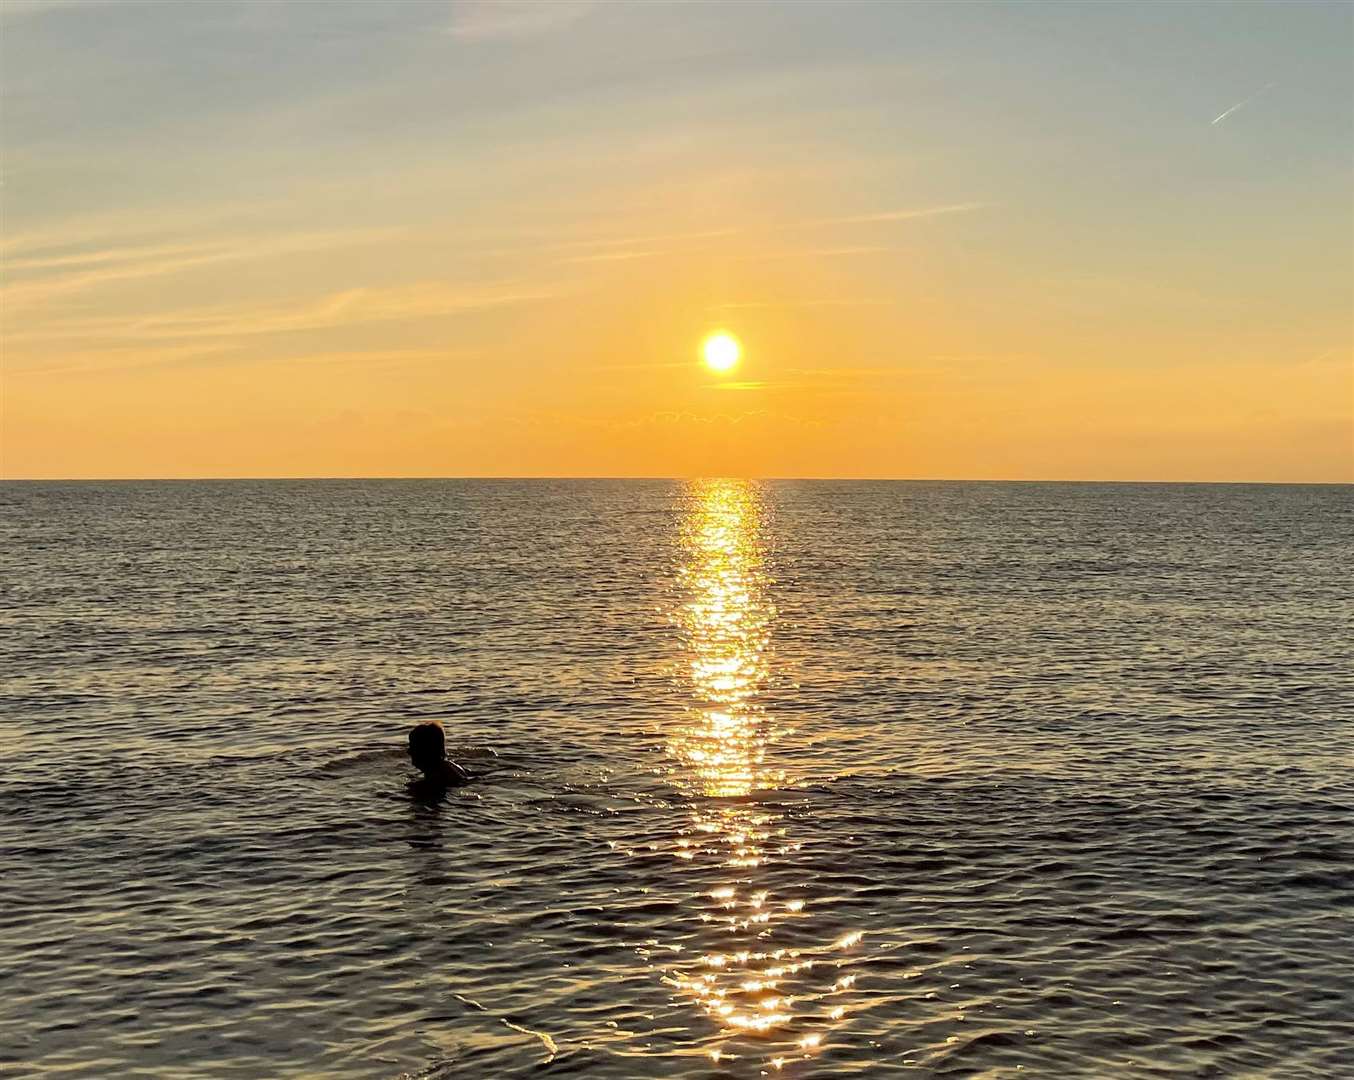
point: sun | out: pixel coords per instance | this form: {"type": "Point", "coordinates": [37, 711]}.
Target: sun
{"type": "Point", "coordinates": [721, 351]}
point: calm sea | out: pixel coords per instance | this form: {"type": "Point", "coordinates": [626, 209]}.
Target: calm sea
{"type": "Point", "coordinates": [801, 779]}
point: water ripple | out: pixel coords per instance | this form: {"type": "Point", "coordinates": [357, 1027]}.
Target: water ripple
{"type": "Point", "coordinates": [804, 779]}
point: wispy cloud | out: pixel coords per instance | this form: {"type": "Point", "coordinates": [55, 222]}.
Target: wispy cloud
{"type": "Point", "coordinates": [766, 256]}
{"type": "Point", "coordinates": [349, 307]}
{"type": "Point", "coordinates": [125, 358]}
{"type": "Point", "coordinates": [611, 256]}
{"type": "Point", "coordinates": [142, 358]}
{"type": "Point", "coordinates": [881, 216]}
{"type": "Point", "coordinates": [878, 217]}
{"type": "Point", "coordinates": [42, 277]}
{"type": "Point", "coordinates": [815, 253]}
{"type": "Point", "coordinates": [486, 20]}
{"type": "Point", "coordinates": [651, 238]}
{"type": "Point", "coordinates": [96, 257]}
{"type": "Point", "coordinates": [1244, 101]}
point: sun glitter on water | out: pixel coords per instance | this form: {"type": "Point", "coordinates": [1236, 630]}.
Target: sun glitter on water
{"type": "Point", "coordinates": [721, 351]}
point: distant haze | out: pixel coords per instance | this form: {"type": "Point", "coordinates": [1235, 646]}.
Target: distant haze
{"type": "Point", "coordinates": [1101, 241]}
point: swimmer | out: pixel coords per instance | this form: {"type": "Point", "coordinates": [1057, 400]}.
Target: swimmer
{"type": "Point", "coordinates": [428, 753]}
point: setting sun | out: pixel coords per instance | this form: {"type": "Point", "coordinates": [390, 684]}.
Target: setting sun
{"type": "Point", "coordinates": [721, 351]}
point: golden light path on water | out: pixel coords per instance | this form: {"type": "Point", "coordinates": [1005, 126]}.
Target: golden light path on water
{"type": "Point", "coordinates": [758, 981]}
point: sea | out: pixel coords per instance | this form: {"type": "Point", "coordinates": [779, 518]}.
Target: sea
{"type": "Point", "coordinates": [771, 779]}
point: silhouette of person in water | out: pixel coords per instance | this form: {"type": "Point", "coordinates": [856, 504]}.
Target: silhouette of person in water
{"type": "Point", "coordinates": [428, 753]}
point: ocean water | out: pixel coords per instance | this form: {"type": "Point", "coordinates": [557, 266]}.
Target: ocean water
{"type": "Point", "coordinates": [801, 779]}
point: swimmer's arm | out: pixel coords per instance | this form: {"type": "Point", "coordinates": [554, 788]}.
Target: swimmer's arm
{"type": "Point", "coordinates": [460, 774]}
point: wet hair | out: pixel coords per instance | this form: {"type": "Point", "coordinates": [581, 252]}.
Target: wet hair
{"type": "Point", "coordinates": [427, 742]}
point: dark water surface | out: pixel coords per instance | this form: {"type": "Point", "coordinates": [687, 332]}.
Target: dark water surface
{"type": "Point", "coordinates": [803, 779]}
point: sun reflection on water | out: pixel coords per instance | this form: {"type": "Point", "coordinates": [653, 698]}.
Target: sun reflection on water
{"type": "Point", "coordinates": [756, 976]}
{"type": "Point", "coordinates": [727, 625]}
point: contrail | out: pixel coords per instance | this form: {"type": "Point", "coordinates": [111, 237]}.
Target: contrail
{"type": "Point", "coordinates": [1244, 101]}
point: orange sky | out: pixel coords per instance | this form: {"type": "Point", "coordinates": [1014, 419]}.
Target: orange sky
{"type": "Point", "coordinates": [499, 255]}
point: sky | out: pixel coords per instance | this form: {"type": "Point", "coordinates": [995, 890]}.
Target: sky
{"type": "Point", "coordinates": [1006, 241]}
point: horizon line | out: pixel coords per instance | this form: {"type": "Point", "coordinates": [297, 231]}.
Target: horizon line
{"type": "Point", "coordinates": [655, 478]}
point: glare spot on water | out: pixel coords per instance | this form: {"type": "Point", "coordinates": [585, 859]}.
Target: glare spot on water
{"type": "Point", "coordinates": [719, 757]}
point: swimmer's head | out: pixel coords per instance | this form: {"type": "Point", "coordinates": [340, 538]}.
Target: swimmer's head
{"type": "Point", "coordinates": [427, 746]}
